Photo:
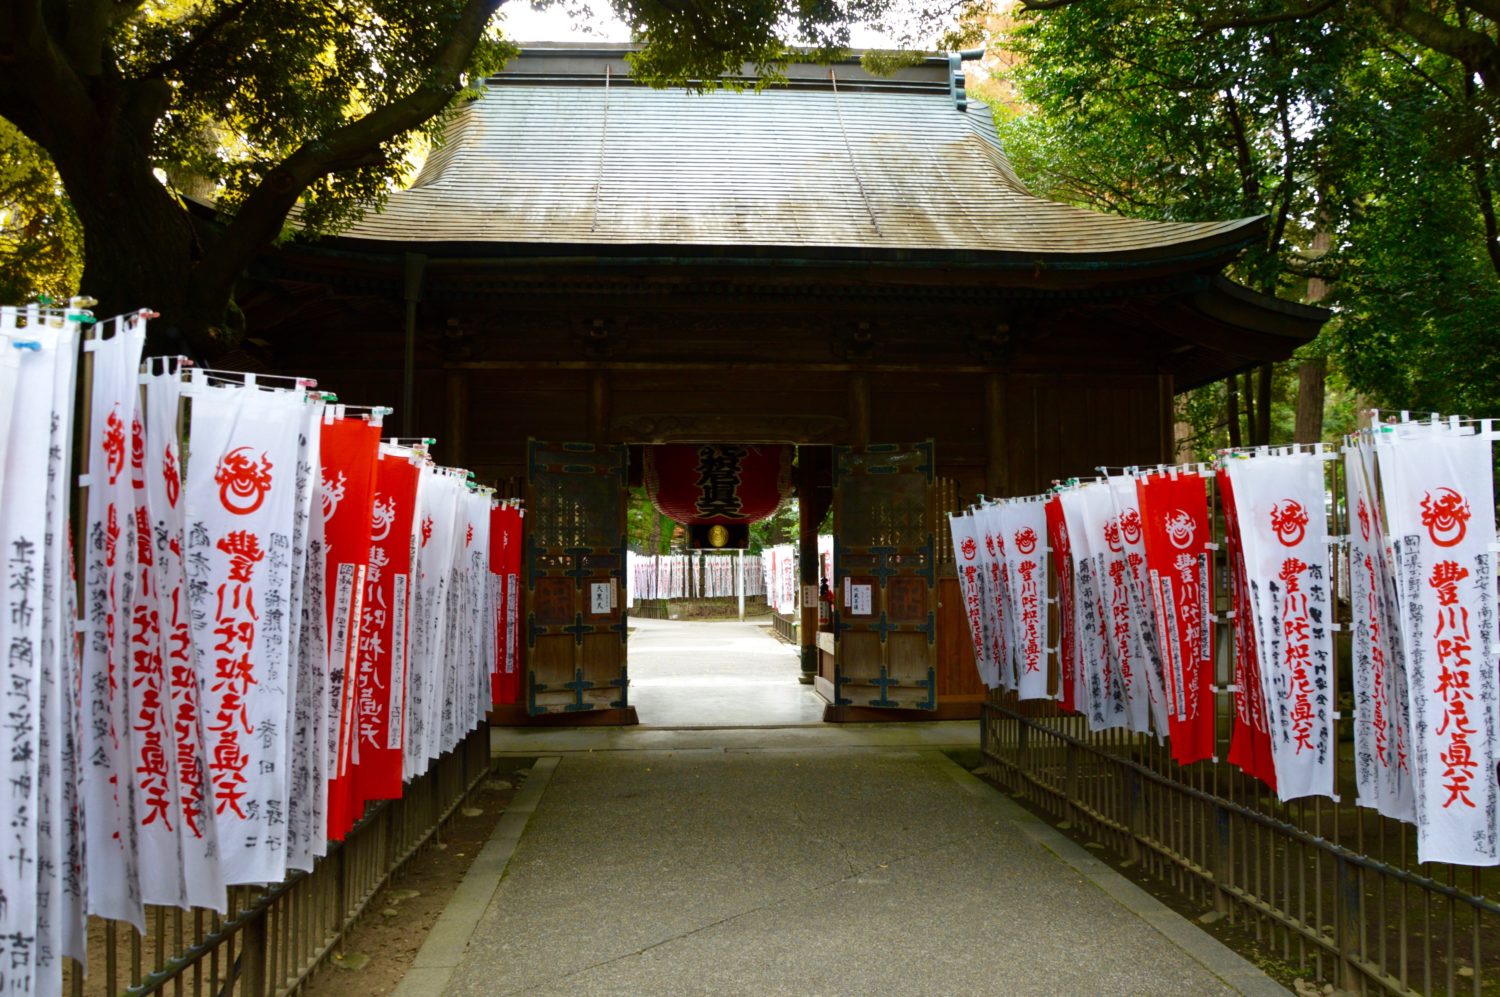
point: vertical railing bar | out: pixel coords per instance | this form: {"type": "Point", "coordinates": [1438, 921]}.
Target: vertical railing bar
{"type": "Point", "coordinates": [1476, 955]}
{"type": "Point", "coordinates": [1426, 941]}
{"type": "Point", "coordinates": [1450, 951]}
{"type": "Point", "coordinates": [111, 960]}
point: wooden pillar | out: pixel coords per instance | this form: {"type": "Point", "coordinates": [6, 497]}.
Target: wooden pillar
{"type": "Point", "coordinates": [455, 443]}
{"type": "Point", "coordinates": [416, 266]}
{"type": "Point", "coordinates": [814, 495]}
{"type": "Point", "coordinates": [859, 409]}
{"type": "Point", "coordinates": [598, 407]}
{"type": "Point", "coordinates": [997, 459]}
{"type": "Point", "coordinates": [1167, 400]}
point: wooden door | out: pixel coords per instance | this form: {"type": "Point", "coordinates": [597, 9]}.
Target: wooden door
{"type": "Point", "coordinates": [575, 577]}
{"type": "Point", "coordinates": [885, 575]}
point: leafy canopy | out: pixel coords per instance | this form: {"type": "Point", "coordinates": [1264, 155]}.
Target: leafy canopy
{"type": "Point", "coordinates": [1368, 145]}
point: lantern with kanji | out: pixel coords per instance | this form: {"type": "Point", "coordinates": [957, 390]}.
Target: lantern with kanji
{"type": "Point", "coordinates": [716, 490]}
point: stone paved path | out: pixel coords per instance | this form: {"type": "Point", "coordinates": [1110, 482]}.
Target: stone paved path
{"type": "Point", "coordinates": [852, 860]}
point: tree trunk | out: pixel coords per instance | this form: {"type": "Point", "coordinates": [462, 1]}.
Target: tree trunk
{"type": "Point", "coordinates": [1263, 406]}
{"type": "Point", "coordinates": [1310, 378]}
{"type": "Point", "coordinates": [139, 247]}
{"type": "Point", "coordinates": [1249, 400]}
{"type": "Point", "coordinates": [653, 540]}
{"type": "Point", "coordinates": [1232, 405]}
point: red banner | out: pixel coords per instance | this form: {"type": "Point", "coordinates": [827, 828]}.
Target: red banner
{"type": "Point", "coordinates": [1174, 513]}
{"type": "Point", "coordinates": [505, 562]}
{"type": "Point", "coordinates": [349, 450]}
{"type": "Point", "coordinates": [1250, 743]}
{"type": "Point", "coordinates": [718, 483]}
{"type": "Point", "coordinates": [379, 682]}
{"type": "Point", "coordinates": [1062, 560]}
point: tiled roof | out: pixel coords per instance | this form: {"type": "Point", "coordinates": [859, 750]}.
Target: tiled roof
{"type": "Point", "coordinates": [569, 160]}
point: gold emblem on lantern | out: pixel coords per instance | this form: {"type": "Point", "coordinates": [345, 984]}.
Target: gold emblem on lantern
{"type": "Point", "coordinates": [718, 536]}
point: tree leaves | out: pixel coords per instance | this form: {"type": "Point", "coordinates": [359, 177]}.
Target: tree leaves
{"type": "Point", "coordinates": [1328, 118]}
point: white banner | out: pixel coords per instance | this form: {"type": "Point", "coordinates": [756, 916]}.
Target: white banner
{"type": "Point", "coordinates": [307, 807]}
{"type": "Point", "coordinates": [990, 522]}
{"type": "Point", "coordinates": [1382, 721]}
{"type": "Point", "coordinates": [1149, 662]}
{"type": "Point", "coordinates": [437, 509]}
{"type": "Point", "coordinates": [1026, 555]}
{"type": "Point", "coordinates": [1101, 690]}
{"type": "Point", "coordinates": [1439, 496]}
{"type": "Point", "coordinates": [173, 803]}
{"type": "Point", "coordinates": [966, 557]}
{"type": "Point", "coordinates": [61, 914]}
{"type": "Point", "coordinates": [10, 366]}
{"type": "Point", "coordinates": [23, 697]}
{"type": "Point", "coordinates": [241, 510]}
{"type": "Point", "coordinates": [109, 563]}
{"type": "Point", "coordinates": [1283, 529]}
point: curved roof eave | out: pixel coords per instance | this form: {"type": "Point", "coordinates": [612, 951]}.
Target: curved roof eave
{"type": "Point", "coordinates": [1204, 253]}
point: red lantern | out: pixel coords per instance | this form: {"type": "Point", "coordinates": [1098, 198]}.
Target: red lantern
{"type": "Point", "coordinates": [728, 485]}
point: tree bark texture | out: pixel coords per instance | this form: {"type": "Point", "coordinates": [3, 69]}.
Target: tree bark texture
{"type": "Point", "coordinates": [1263, 406]}
{"type": "Point", "coordinates": [1310, 378]}
{"type": "Point", "coordinates": [1232, 409]}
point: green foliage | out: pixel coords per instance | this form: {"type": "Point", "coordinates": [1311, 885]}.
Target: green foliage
{"type": "Point", "coordinates": [781, 527]}
{"type": "Point", "coordinates": [255, 81]}
{"type": "Point", "coordinates": [41, 244]}
{"type": "Point", "coordinates": [1343, 123]}
{"type": "Point", "coordinates": [888, 62]}
{"type": "Point", "coordinates": [650, 532]}
{"type": "Point", "coordinates": [1417, 291]}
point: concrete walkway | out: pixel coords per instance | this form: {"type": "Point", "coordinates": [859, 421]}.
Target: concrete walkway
{"type": "Point", "coordinates": [809, 860]}
{"type": "Point", "coordinates": [716, 673]}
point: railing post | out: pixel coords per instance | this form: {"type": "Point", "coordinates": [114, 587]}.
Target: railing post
{"type": "Point", "coordinates": [1023, 741]}
{"type": "Point", "coordinates": [1133, 814]}
{"type": "Point", "coordinates": [1348, 921]}
{"type": "Point", "coordinates": [1070, 781]}
{"type": "Point", "coordinates": [253, 945]}
{"type": "Point", "coordinates": [1222, 853]}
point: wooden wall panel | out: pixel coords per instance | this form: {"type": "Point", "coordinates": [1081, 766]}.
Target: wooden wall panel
{"type": "Point", "coordinates": [1062, 427]}
{"type": "Point", "coordinates": [956, 671]}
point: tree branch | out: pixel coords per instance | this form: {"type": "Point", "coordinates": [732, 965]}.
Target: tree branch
{"type": "Point", "coordinates": [260, 218]}
{"type": "Point", "coordinates": [206, 32]}
{"type": "Point", "coordinates": [1473, 48]}
{"type": "Point", "coordinates": [1244, 160]}
{"type": "Point", "coordinates": [88, 22]}
{"type": "Point", "coordinates": [1288, 177]}
{"type": "Point", "coordinates": [40, 92]}
{"type": "Point", "coordinates": [1299, 14]}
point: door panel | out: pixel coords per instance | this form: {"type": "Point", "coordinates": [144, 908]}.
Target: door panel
{"type": "Point", "coordinates": [884, 521]}
{"type": "Point", "coordinates": [575, 577]}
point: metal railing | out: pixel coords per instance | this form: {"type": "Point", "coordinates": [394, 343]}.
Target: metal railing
{"type": "Point", "coordinates": [1326, 887]}
{"type": "Point", "coordinates": [273, 938]}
